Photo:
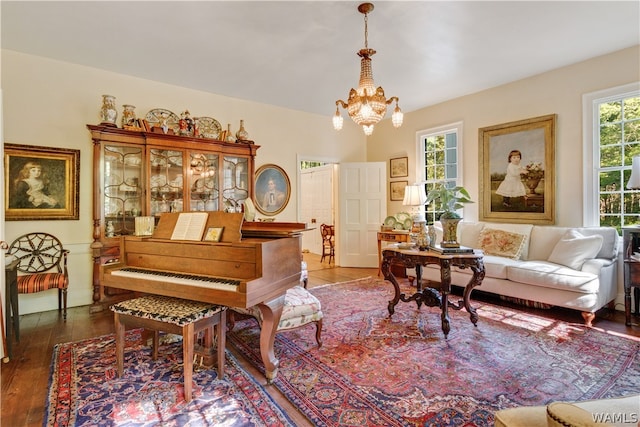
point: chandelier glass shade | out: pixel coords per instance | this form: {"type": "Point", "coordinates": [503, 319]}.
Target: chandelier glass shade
{"type": "Point", "coordinates": [367, 105]}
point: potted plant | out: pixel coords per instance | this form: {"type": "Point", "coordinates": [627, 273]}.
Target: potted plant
{"type": "Point", "coordinates": [448, 200]}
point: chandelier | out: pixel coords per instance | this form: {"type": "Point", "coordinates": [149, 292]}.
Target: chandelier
{"type": "Point", "coordinates": [367, 105]}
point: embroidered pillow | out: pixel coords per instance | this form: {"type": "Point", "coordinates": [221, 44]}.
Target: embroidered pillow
{"type": "Point", "coordinates": [573, 249]}
{"type": "Point", "coordinates": [501, 243]}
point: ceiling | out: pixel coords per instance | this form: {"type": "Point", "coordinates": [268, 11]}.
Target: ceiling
{"type": "Point", "coordinates": [302, 55]}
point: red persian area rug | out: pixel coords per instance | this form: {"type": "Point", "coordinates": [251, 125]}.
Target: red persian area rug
{"type": "Point", "coordinates": [375, 371]}
{"type": "Point", "coordinates": [84, 389]}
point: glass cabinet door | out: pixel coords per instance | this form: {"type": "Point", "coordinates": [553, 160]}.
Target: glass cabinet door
{"type": "Point", "coordinates": [235, 186]}
{"type": "Point", "coordinates": [203, 181]}
{"type": "Point", "coordinates": [166, 184]}
{"type": "Point", "coordinates": [123, 195]}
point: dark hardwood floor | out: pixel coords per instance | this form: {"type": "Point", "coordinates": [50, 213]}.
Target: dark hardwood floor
{"type": "Point", "coordinates": [25, 377]}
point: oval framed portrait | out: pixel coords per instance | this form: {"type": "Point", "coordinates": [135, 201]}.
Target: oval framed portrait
{"type": "Point", "coordinates": [273, 189]}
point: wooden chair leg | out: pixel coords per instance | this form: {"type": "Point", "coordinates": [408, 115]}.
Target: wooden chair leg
{"type": "Point", "coordinates": [119, 344]}
{"type": "Point", "coordinates": [64, 304]}
{"type": "Point", "coordinates": [207, 337]}
{"type": "Point", "coordinates": [319, 333]}
{"type": "Point", "coordinates": [155, 345]}
{"type": "Point", "coordinates": [222, 342]}
{"type": "Point", "coordinates": [231, 320]}
{"type": "Point", "coordinates": [187, 359]}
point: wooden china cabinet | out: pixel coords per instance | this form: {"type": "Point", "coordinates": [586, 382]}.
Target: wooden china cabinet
{"type": "Point", "coordinates": [148, 173]}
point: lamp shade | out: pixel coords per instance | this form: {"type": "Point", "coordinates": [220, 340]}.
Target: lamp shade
{"type": "Point", "coordinates": [414, 195]}
{"type": "Point", "coordinates": [634, 179]}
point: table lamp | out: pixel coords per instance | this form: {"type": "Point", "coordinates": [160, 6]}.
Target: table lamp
{"type": "Point", "coordinates": [633, 184]}
{"type": "Point", "coordinates": [415, 196]}
{"type": "Point", "coordinates": [634, 179]}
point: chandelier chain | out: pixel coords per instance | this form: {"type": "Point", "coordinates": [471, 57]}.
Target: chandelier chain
{"type": "Point", "coordinates": [366, 31]}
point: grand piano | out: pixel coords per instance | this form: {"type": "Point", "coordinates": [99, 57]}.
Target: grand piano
{"type": "Point", "coordinates": [252, 265]}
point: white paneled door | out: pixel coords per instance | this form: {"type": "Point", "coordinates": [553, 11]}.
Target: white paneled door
{"type": "Point", "coordinates": [362, 208]}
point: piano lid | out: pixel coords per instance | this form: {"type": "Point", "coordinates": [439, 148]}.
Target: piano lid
{"type": "Point", "coordinates": [272, 229]}
{"type": "Point", "coordinates": [235, 228]}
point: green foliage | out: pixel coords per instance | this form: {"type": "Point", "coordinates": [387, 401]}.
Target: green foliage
{"type": "Point", "coordinates": [619, 143]}
{"type": "Point", "coordinates": [448, 199]}
{"type": "Point", "coordinates": [306, 164]}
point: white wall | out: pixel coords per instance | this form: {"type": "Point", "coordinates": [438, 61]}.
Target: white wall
{"type": "Point", "coordinates": [559, 91]}
{"type": "Point", "coordinates": [48, 103]}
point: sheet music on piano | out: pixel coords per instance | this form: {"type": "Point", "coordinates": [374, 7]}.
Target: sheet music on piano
{"type": "Point", "coordinates": [190, 226]}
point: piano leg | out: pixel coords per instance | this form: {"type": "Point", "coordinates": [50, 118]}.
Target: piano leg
{"type": "Point", "coordinates": [271, 312]}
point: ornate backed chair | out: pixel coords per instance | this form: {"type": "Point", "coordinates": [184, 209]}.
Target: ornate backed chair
{"type": "Point", "coordinates": [328, 241]}
{"type": "Point", "coordinates": [43, 263]}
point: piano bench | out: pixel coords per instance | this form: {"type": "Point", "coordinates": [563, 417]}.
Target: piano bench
{"type": "Point", "coordinates": [176, 316]}
{"type": "Point", "coordinates": [300, 308]}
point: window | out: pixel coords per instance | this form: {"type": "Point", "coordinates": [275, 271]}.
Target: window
{"type": "Point", "coordinates": [439, 159]}
{"type": "Point", "coordinates": [310, 164]}
{"type": "Point", "coordinates": [612, 139]}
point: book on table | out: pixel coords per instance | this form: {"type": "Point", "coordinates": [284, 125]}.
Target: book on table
{"type": "Point", "coordinates": [458, 250]}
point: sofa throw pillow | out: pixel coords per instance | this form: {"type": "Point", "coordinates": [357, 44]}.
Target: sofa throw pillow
{"type": "Point", "coordinates": [574, 248]}
{"type": "Point", "coordinates": [501, 243]}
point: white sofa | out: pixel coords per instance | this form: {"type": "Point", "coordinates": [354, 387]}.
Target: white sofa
{"type": "Point", "coordinates": [618, 412]}
{"type": "Point", "coordinates": [567, 267]}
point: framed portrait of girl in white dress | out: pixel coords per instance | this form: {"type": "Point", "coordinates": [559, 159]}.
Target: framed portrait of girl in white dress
{"type": "Point", "coordinates": [517, 171]}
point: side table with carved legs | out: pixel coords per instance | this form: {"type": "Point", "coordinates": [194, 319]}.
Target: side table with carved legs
{"type": "Point", "coordinates": [432, 296]}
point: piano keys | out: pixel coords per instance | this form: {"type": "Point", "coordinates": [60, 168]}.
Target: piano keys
{"type": "Point", "coordinates": [179, 278]}
{"type": "Point", "coordinates": [235, 272]}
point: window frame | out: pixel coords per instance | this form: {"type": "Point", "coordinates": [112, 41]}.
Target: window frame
{"type": "Point", "coordinates": [421, 135]}
{"type": "Point", "coordinates": [591, 147]}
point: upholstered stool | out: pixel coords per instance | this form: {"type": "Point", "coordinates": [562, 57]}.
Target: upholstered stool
{"type": "Point", "coordinates": [300, 308]}
{"type": "Point", "coordinates": [176, 316]}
